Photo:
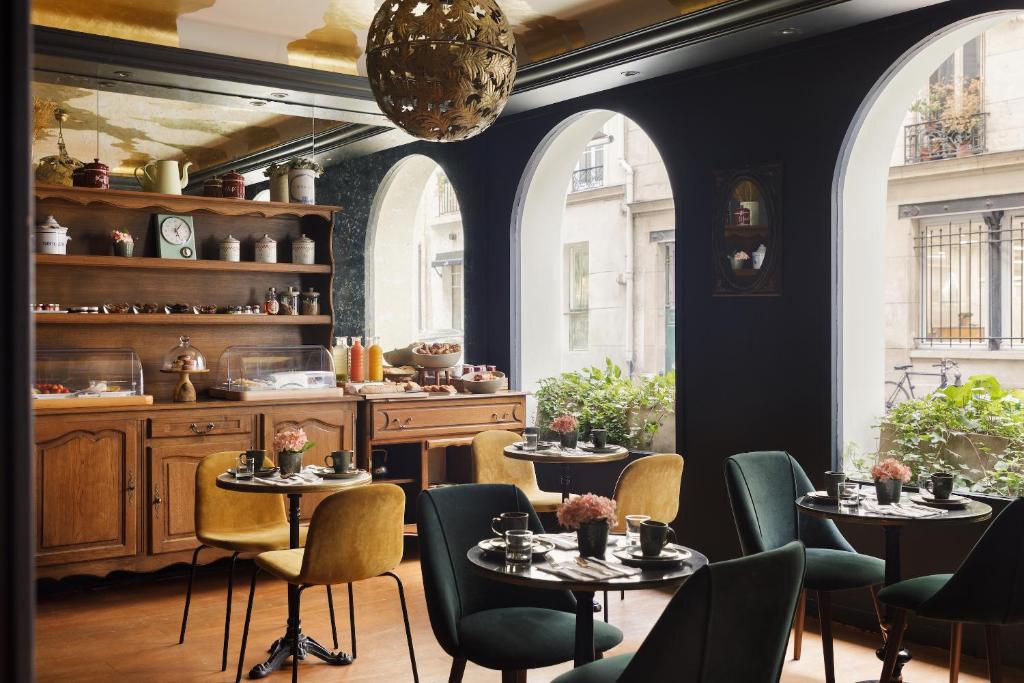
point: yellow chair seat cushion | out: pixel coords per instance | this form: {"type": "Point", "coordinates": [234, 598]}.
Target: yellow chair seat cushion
{"type": "Point", "coordinates": [544, 501]}
{"type": "Point", "coordinates": [284, 564]}
{"type": "Point", "coordinates": [255, 540]}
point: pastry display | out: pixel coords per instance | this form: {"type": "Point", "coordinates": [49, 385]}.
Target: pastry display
{"type": "Point", "coordinates": [264, 372]}
{"type": "Point", "coordinates": [70, 378]}
{"type": "Point", "coordinates": [436, 355]}
{"type": "Point", "coordinates": [437, 348]}
{"type": "Point", "coordinates": [439, 389]}
{"type": "Point", "coordinates": [44, 388]}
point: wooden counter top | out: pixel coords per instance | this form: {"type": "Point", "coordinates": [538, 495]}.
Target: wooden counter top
{"type": "Point", "coordinates": [390, 398]}
{"type": "Point", "coordinates": [208, 403]}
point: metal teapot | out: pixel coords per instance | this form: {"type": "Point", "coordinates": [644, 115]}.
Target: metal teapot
{"type": "Point", "coordinates": [163, 176]}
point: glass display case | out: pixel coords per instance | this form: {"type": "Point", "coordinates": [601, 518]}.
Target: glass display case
{"type": "Point", "coordinates": [184, 356]}
{"type": "Point", "coordinates": [265, 372]}
{"type": "Point", "coordinates": [70, 376]}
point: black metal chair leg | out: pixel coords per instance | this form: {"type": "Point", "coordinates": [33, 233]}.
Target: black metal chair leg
{"type": "Point", "coordinates": [227, 614]}
{"type": "Point", "coordinates": [352, 619]}
{"type": "Point", "coordinates": [408, 630]}
{"type": "Point", "coordinates": [606, 607]}
{"type": "Point", "coordinates": [330, 608]}
{"type": "Point", "coordinates": [245, 629]}
{"type": "Point", "coordinates": [188, 594]}
{"type": "Point", "coordinates": [622, 595]}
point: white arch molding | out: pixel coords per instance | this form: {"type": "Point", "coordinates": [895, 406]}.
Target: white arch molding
{"type": "Point", "coordinates": [859, 203]}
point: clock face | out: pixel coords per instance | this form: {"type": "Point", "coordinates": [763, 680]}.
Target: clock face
{"type": "Point", "coordinates": [175, 230]}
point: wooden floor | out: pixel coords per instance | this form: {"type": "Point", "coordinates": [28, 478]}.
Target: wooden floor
{"type": "Point", "coordinates": [127, 631]}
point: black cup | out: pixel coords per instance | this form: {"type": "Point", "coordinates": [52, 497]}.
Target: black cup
{"type": "Point", "coordinates": [509, 521]}
{"type": "Point", "coordinates": [341, 461]}
{"type": "Point", "coordinates": [654, 536]}
{"type": "Point", "coordinates": [258, 456]}
{"type": "Point", "coordinates": [599, 437]}
{"type": "Point", "coordinates": [940, 485]}
{"type": "Point", "coordinates": [832, 482]}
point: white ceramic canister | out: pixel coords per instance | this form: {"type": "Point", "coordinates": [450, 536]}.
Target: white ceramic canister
{"type": "Point", "coordinates": [230, 249]}
{"type": "Point", "coordinates": [51, 237]}
{"type": "Point", "coordinates": [279, 188]}
{"type": "Point", "coordinates": [301, 183]}
{"type": "Point", "coordinates": [303, 251]}
{"type": "Point", "coordinates": [266, 250]}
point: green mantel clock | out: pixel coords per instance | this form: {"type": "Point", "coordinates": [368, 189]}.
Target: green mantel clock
{"type": "Point", "coordinates": [176, 235]}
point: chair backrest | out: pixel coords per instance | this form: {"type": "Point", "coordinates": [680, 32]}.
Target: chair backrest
{"type": "Point", "coordinates": [729, 622]}
{"type": "Point", "coordinates": [649, 486]}
{"type": "Point", "coordinates": [450, 521]}
{"type": "Point", "coordinates": [988, 588]}
{"type": "Point", "coordinates": [222, 510]}
{"type": "Point", "coordinates": [763, 487]}
{"type": "Point", "coordinates": [490, 466]}
{"type": "Point", "coordinates": [355, 535]}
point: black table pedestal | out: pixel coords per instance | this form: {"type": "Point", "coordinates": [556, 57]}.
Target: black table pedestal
{"type": "Point", "coordinates": [893, 574]}
{"type": "Point", "coordinates": [564, 481]}
{"type": "Point", "coordinates": [584, 628]}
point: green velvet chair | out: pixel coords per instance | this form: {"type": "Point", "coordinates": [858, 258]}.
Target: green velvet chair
{"type": "Point", "coordinates": [495, 625]}
{"type": "Point", "coordinates": [987, 589]}
{"type": "Point", "coordinates": [762, 489]}
{"type": "Point", "coordinates": [728, 622]}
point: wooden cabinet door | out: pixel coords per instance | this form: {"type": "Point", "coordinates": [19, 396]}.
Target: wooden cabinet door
{"type": "Point", "coordinates": [172, 487]}
{"type": "Point", "coordinates": [331, 428]}
{"type": "Point", "coordinates": [87, 481]}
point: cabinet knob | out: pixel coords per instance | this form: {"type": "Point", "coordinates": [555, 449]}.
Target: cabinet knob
{"type": "Point", "coordinates": [405, 424]}
{"type": "Point", "coordinates": [494, 417]}
{"type": "Point", "coordinates": [196, 429]}
{"type": "Point", "coordinates": [130, 488]}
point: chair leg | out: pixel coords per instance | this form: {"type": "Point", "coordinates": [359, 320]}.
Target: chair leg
{"type": "Point", "coordinates": [408, 630]}
{"type": "Point", "coordinates": [892, 644]}
{"type": "Point", "coordinates": [995, 663]}
{"type": "Point", "coordinates": [513, 676]}
{"type": "Point", "coordinates": [188, 594]}
{"type": "Point", "coordinates": [878, 608]}
{"type": "Point", "coordinates": [330, 608]}
{"type": "Point", "coordinates": [825, 617]}
{"type": "Point", "coordinates": [622, 595]}
{"type": "Point", "coordinates": [245, 629]}
{"type": "Point", "coordinates": [458, 669]}
{"type": "Point", "coordinates": [798, 625]}
{"type": "Point", "coordinates": [956, 635]}
{"type": "Point", "coordinates": [606, 607]}
{"type": "Point", "coordinates": [227, 614]}
{"type": "Point", "coordinates": [352, 619]}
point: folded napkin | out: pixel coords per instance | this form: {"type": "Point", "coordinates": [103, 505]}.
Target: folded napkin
{"type": "Point", "coordinates": [561, 541]}
{"type": "Point", "coordinates": [594, 570]}
{"type": "Point", "coordinates": [901, 509]}
{"type": "Point", "coordinates": [307, 476]}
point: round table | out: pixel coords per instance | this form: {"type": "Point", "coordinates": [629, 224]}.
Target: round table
{"type": "Point", "coordinates": [281, 649]}
{"type": "Point", "coordinates": [494, 567]}
{"type": "Point", "coordinates": [892, 526]}
{"type": "Point", "coordinates": [564, 459]}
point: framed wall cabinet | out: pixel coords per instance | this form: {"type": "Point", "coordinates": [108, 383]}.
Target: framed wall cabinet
{"type": "Point", "coordinates": [747, 232]}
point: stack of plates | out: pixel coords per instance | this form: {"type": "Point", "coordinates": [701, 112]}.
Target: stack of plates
{"type": "Point", "coordinates": [953, 501]}
{"type": "Point", "coordinates": [671, 555]}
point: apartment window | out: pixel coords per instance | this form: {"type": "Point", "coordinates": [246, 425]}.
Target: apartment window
{"type": "Point", "coordinates": [578, 270]}
{"type": "Point", "coordinates": [589, 171]}
{"type": "Point", "coordinates": [447, 202]}
{"type": "Point", "coordinates": [455, 300]}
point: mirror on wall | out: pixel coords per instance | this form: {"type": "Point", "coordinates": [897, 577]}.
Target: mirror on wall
{"type": "Point", "coordinates": [746, 232]}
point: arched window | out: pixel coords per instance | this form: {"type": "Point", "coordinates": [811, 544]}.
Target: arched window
{"type": "Point", "coordinates": [414, 257]}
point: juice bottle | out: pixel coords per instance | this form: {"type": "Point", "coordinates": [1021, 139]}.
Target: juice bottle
{"type": "Point", "coordinates": [356, 369]}
{"type": "Point", "coordinates": [340, 355]}
{"type": "Point", "coordinates": [375, 361]}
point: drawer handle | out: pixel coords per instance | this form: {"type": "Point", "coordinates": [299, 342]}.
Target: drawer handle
{"type": "Point", "coordinates": [196, 430]}
{"type": "Point", "coordinates": [157, 500]}
{"type": "Point", "coordinates": [130, 489]}
{"type": "Point", "coordinates": [405, 424]}
{"type": "Point", "coordinates": [494, 417]}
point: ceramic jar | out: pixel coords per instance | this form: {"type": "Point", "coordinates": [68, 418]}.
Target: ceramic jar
{"type": "Point", "coordinates": [279, 188]}
{"type": "Point", "coordinates": [212, 187]}
{"type": "Point", "coordinates": [303, 251]}
{"type": "Point", "coordinates": [51, 237]}
{"type": "Point", "coordinates": [95, 175]}
{"type": "Point", "coordinates": [266, 250]}
{"type": "Point", "coordinates": [233, 185]}
{"type": "Point", "coordinates": [230, 249]}
{"type": "Point", "coordinates": [301, 183]}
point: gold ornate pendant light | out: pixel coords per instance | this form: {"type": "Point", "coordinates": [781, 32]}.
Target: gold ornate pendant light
{"type": "Point", "coordinates": [441, 70]}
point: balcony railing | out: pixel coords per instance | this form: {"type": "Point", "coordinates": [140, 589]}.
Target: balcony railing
{"type": "Point", "coordinates": [587, 178]}
{"type": "Point", "coordinates": [447, 202]}
{"type": "Point", "coordinates": [932, 140]}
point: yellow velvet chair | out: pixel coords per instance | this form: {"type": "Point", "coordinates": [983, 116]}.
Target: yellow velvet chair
{"type": "Point", "coordinates": [490, 466]}
{"type": "Point", "coordinates": [354, 535]}
{"type": "Point", "coordinates": [240, 523]}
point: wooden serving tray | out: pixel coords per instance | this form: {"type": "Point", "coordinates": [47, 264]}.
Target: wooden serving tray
{"type": "Point", "coordinates": [282, 395]}
{"type": "Point", "coordinates": [99, 402]}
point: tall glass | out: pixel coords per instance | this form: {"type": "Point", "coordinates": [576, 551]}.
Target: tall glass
{"type": "Point", "coordinates": [633, 523]}
{"type": "Point", "coordinates": [518, 546]}
{"type": "Point", "coordinates": [531, 441]}
{"type": "Point", "coordinates": [849, 494]}
{"type": "Point", "coordinates": [245, 468]}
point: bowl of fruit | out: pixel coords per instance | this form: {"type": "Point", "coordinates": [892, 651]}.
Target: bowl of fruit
{"type": "Point", "coordinates": [436, 355]}
{"type": "Point", "coordinates": [488, 382]}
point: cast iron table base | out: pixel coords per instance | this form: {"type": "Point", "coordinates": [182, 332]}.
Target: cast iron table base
{"type": "Point", "coordinates": [281, 650]}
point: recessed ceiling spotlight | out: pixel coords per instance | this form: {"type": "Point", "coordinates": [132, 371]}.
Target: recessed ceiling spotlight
{"type": "Point", "coordinates": [630, 74]}
{"type": "Point", "coordinates": [279, 95]}
{"type": "Point", "coordinates": [123, 74]}
{"type": "Point", "coordinates": [789, 32]}
{"type": "Point", "coordinates": [258, 103]}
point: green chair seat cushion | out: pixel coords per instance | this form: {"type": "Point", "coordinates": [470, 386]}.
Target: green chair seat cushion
{"type": "Point", "coordinates": [836, 570]}
{"type": "Point", "coordinates": [602, 671]}
{"type": "Point", "coordinates": [526, 637]}
{"type": "Point", "coordinates": [913, 593]}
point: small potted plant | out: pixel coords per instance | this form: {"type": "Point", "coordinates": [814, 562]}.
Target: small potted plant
{"type": "Point", "coordinates": [565, 426]}
{"type": "Point", "coordinates": [592, 517]}
{"type": "Point", "coordinates": [290, 444]}
{"type": "Point", "coordinates": [890, 476]}
{"type": "Point", "coordinates": [123, 242]}
{"type": "Point", "coordinates": [739, 259]}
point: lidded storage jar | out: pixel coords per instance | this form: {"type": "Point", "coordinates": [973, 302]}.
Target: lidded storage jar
{"type": "Point", "coordinates": [266, 250]}
{"type": "Point", "coordinates": [303, 250]}
{"type": "Point", "coordinates": [230, 249]}
{"type": "Point", "coordinates": [51, 237]}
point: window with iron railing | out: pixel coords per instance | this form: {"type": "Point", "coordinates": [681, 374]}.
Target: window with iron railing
{"type": "Point", "coordinates": [935, 140]}
{"type": "Point", "coordinates": [589, 171]}
{"type": "Point", "coordinates": [447, 202]}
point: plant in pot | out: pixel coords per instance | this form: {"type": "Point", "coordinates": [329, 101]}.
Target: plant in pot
{"type": "Point", "coordinates": [566, 427]}
{"type": "Point", "coordinates": [592, 517]}
{"type": "Point", "coordinates": [890, 476]}
{"type": "Point", "coordinates": [123, 242]}
{"type": "Point", "coordinates": [290, 444]}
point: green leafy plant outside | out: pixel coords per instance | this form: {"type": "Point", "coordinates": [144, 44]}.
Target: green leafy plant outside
{"type": "Point", "coordinates": [631, 409]}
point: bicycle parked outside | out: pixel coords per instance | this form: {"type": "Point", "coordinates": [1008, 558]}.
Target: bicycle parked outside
{"type": "Point", "coordinates": [903, 390]}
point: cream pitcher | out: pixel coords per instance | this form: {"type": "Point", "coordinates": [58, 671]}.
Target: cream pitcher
{"type": "Point", "coordinates": [162, 176]}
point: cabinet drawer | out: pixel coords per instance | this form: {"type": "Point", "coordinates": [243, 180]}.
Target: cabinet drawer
{"type": "Point", "coordinates": [446, 417]}
{"type": "Point", "coordinates": [200, 424]}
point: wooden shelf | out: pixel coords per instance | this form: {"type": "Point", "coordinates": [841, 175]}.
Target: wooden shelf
{"type": "Point", "coordinates": [176, 319]}
{"type": "Point", "coordinates": [127, 199]}
{"type": "Point", "coordinates": [149, 263]}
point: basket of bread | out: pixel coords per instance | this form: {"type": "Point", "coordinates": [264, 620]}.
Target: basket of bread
{"type": "Point", "coordinates": [436, 355]}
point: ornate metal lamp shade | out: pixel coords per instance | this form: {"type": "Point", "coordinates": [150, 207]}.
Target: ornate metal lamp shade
{"type": "Point", "coordinates": [441, 70]}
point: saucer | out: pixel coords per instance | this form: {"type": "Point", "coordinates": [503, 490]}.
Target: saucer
{"type": "Point", "coordinates": [259, 473]}
{"type": "Point", "coordinates": [328, 473]}
{"type": "Point", "coordinates": [671, 555]}
{"type": "Point", "coordinates": [951, 502]}
{"type": "Point", "coordinates": [496, 546]}
{"type": "Point", "coordinates": [598, 449]}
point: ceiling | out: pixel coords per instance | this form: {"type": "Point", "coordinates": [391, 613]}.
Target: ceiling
{"type": "Point", "coordinates": [330, 35]}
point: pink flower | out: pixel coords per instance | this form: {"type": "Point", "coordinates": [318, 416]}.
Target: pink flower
{"type": "Point", "coordinates": [890, 468]}
{"type": "Point", "coordinates": [586, 508]}
{"type": "Point", "coordinates": [563, 424]}
{"type": "Point", "coordinates": [119, 236]}
{"type": "Point", "coordinates": [292, 441]}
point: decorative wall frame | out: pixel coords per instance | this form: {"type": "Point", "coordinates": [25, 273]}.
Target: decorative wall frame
{"type": "Point", "coordinates": [747, 232]}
